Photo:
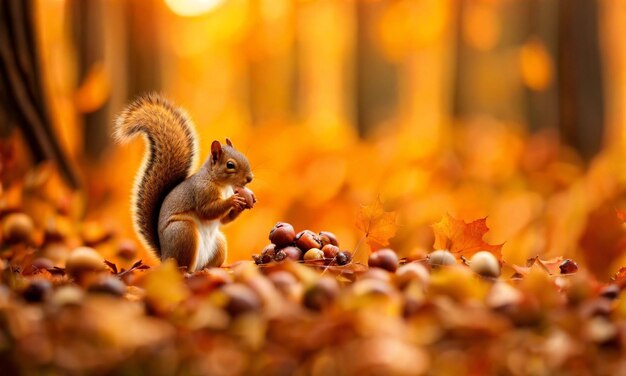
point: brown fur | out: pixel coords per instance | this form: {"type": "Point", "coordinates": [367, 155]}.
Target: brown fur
{"type": "Point", "coordinates": [169, 204]}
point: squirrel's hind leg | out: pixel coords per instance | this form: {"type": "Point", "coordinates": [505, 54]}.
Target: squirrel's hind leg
{"type": "Point", "coordinates": [179, 240]}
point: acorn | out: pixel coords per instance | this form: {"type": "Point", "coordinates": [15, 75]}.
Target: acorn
{"type": "Point", "coordinates": [485, 264]}
{"type": "Point", "coordinates": [108, 285]}
{"type": "Point", "coordinates": [287, 284]}
{"type": "Point", "coordinates": [330, 250]}
{"type": "Point", "coordinates": [84, 260]}
{"type": "Point", "coordinates": [240, 299]}
{"type": "Point", "coordinates": [314, 254]}
{"type": "Point", "coordinates": [568, 267]}
{"type": "Point", "coordinates": [290, 252]}
{"type": "Point", "coordinates": [441, 257]}
{"type": "Point", "coordinates": [68, 295]}
{"type": "Point", "coordinates": [307, 239]}
{"type": "Point", "coordinates": [17, 228]}
{"type": "Point", "coordinates": [413, 271]}
{"type": "Point", "coordinates": [268, 253]}
{"type": "Point", "coordinates": [384, 258]}
{"type": "Point", "coordinates": [343, 258]}
{"type": "Point", "coordinates": [327, 237]}
{"type": "Point", "coordinates": [321, 294]}
{"type": "Point", "coordinates": [282, 234]}
{"type": "Point", "coordinates": [38, 290]}
{"type": "Point", "coordinates": [248, 195]}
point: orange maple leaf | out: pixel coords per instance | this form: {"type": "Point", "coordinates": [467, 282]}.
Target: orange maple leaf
{"type": "Point", "coordinates": [464, 238]}
{"type": "Point", "coordinates": [621, 214]}
{"type": "Point", "coordinates": [378, 225]}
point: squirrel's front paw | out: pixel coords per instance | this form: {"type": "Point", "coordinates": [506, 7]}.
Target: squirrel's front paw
{"type": "Point", "coordinates": [238, 202]}
{"type": "Point", "coordinates": [248, 195]}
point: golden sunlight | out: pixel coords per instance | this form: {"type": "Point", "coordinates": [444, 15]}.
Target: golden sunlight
{"type": "Point", "coordinates": [192, 8]}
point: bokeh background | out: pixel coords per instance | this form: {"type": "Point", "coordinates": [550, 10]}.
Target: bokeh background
{"type": "Point", "coordinates": [507, 109]}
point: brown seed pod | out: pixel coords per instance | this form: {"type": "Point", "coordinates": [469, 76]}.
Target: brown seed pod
{"type": "Point", "coordinates": [286, 283]}
{"type": "Point", "coordinates": [38, 290]}
{"type": "Point", "coordinates": [485, 264]}
{"type": "Point", "coordinates": [441, 257]}
{"type": "Point", "coordinates": [17, 228]}
{"type": "Point", "coordinates": [268, 253]}
{"type": "Point", "coordinates": [68, 295]}
{"type": "Point", "coordinates": [327, 237]}
{"type": "Point", "coordinates": [282, 234]}
{"type": "Point", "coordinates": [384, 258]}
{"type": "Point", "coordinates": [343, 258]}
{"type": "Point", "coordinates": [314, 254]}
{"type": "Point", "coordinates": [248, 195]}
{"type": "Point", "coordinates": [84, 260]}
{"type": "Point", "coordinates": [413, 271]}
{"type": "Point", "coordinates": [292, 253]}
{"type": "Point", "coordinates": [307, 239]}
{"type": "Point", "coordinates": [241, 299]}
{"type": "Point", "coordinates": [568, 267]}
{"type": "Point", "coordinates": [330, 251]}
{"type": "Point", "coordinates": [321, 294]}
{"type": "Point", "coordinates": [108, 285]}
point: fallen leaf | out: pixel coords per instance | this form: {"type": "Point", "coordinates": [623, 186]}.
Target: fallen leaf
{"type": "Point", "coordinates": [164, 286]}
{"type": "Point", "coordinates": [551, 266]}
{"type": "Point", "coordinates": [378, 225]}
{"type": "Point", "coordinates": [464, 238]}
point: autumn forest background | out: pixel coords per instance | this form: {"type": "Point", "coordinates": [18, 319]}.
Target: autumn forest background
{"type": "Point", "coordinates": [506, 115]}
{"type": "Point", "coordinates": [511, 110]}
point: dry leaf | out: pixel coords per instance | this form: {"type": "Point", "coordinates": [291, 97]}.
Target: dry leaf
{"type": "Point", "coordinates": [551, 266]}
{"type": "Point", "coordinates": [378, 225]}
{"type": "Point", "coordinates": [463, 238]}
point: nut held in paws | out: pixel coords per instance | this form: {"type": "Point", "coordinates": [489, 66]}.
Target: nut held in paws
{"type": "Point", "coordinates": [248, 195]}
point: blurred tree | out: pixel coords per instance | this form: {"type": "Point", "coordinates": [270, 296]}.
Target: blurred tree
{"type": "Point", "coordinates": [376, 79]}
{"type": "Point", "coordinates": [88, 24]}
{"type": "Point", "coordinates": [581, 97]}
{"type": "Point", "coordinates": [143, 46]}
{"type": "Point", "coordinates": [537, 57]}
{"type": "Point", "coordinates": [21, 92]}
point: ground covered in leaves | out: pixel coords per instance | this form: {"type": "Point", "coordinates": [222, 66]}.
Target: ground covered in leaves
{"type": "Point", "coordinates": [416, 315]}
{"type": "Point", "coordinates": [535, 288]}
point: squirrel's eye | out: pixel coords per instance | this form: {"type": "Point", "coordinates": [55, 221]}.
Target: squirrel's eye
{"type": "Point", "coordinates": [230, 165]}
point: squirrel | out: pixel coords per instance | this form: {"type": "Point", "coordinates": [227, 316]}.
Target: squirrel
{"type": "Point", "coordinates": [178, 214]}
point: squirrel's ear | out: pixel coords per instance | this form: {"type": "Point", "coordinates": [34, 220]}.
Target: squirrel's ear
{"type": "Point", "coordinates": [216, 150]}
{"type": "Point", "coordinates": [229, 143]}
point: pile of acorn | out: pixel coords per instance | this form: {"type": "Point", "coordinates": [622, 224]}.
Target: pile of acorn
{"type": "Point", "coordinates": [305, 245]}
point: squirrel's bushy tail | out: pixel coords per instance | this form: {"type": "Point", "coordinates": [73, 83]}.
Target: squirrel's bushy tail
{"type": "Point", "coordinates": [171, 154]}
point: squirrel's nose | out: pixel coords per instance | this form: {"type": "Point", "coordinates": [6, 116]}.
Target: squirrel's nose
{"type": "Point", "coordinates": [248, 179]}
